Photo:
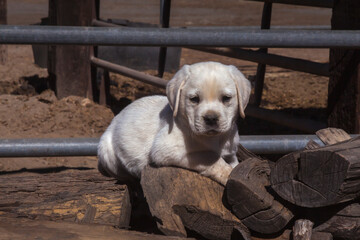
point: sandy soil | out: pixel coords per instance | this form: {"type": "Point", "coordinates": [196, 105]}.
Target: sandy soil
{"type": "Point", "coordinates": [28, 109]}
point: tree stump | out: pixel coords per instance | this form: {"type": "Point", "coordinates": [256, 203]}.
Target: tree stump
{"type": "Point", "coordinates": [251, 202]}
{"type": "Point", "coordinates": [180, 199]}
{"type": "Point", "coordinates": [76, 196]}
{"type": "Point", "coordinates": [319, 177]}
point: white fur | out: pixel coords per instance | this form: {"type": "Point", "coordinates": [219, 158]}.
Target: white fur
{"type": "Point", "coordinates": [180, 131]}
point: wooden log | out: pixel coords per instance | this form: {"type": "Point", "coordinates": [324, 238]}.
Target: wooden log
{"type": "Point", "coordinates": [69, 66]}
{"type": "Point", "coordinates": [345, 224]}
{"type": "Point", "coordinates": [22, 228]}
{"type": "Point", "coordinates": [344, 82]}
{"type": "Point", "coordinates": [332, 135]}
{"type": "Point", "coordinates": [180, 199]}
{"type": "Point", "coordinates": [3, 20]}
{"type": "Point", "coordinates": [251, 202]}
{"type": "Point", "coordinates": [302, 229]}
{"type": "Point", "coordinates": [73, 195]}
{"type": "Point", "coordinates": [319, 177]}
{"type": "Point", "coordinates": [286, 235]}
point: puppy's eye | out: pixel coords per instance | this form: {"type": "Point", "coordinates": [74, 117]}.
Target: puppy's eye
{"type": "Point", "coordinates": [195, 99]}
{"type": "Point", "coordinates": [226, 99]}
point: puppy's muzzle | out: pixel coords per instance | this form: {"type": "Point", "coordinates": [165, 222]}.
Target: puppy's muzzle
{"type": "Point", "coordinates": [211, 119]}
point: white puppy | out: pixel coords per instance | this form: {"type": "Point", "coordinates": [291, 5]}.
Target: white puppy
{"type": "Point", "coordinates": [193, 128]}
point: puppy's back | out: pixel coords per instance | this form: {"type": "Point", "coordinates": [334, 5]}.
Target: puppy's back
{"type": "Point", "coordinates": [125, 146]}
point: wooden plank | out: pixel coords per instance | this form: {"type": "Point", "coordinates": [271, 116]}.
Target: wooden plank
{"type": "Point", "coordinates": [3, 20]}
{"type": "Point", "coordinates": [332, 135]}
{"type": "Point", "coordinates": [83, 196]}
{"type": "Point", "coordinates": [319, 177]}
{"type": "Point", "coordinates": [251, 202]}
{"type": "Point", "coordinates": [22, 228]}
{"type": "Point", "coordinates": [344, 83]}
{"type": "Point", "coordinates": [70, 66]}
{"type": "Point", "coordinates": [180, 199]}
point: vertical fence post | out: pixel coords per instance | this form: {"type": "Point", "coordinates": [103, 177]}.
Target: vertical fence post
{"type": "Point", "coordinates": [165, 6]}
{"type": "Point", "coordinates": [3, 20]}
{"type": "Point", "coordinates": [344, 83]}
{"type": "Point", "coordinates": [260, 72]}
{"type": "Point", "coordinates": [70, 65]}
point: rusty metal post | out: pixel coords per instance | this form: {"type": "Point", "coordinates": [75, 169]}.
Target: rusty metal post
{"type": "Point", "coordinates": [260, 73]}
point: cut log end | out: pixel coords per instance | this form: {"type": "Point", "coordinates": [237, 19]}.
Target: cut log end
{"type": "Point", "coordinates": [180, 199]}
{"type": "Point", "coordinates": [250, 201]}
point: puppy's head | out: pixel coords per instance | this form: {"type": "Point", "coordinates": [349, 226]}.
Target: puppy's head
{"type": "Point", "coordinates": [208, 96]}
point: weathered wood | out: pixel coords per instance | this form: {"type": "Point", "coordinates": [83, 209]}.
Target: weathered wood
{"type": "Point", "coordinates": [319, 177]}
{"type": "Point", "coordinates": [302, 229]}
{"type": "Point", "coordinates": [3, 20]}
{"type": "Point", "coordinates": [344, 82]}
{"type": "Point", "coordinates": [180, 199]}
{"type": "Point", "coordinates": [251, 202]}
{"type": "Point", "coordinates": [69, 66]}
{"type": "Point", "coordinates": [345, 224]}
{"type": "Point", "coordinates": [72, 195]}
{"type": "Point", "coordinates": [286, 235]}
{"type": "Point", "coordinates": [332, 135]}
{"type": "Point", "coordinates": [243, 154]}
{"type": "Point", "coordinates": [312, 145]}
{"type": "Point", "coordinates": [22, 228]}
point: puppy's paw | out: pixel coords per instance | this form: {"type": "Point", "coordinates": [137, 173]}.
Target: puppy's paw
{"type": "Point", "coordinates": [218, 173]}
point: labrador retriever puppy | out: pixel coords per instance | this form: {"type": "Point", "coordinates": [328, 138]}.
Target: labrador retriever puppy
{"type": "Point", "coordinates": [193, 128]}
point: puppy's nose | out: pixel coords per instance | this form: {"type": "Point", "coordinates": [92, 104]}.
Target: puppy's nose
{"type": "Point", "coordinates": [211, 119]}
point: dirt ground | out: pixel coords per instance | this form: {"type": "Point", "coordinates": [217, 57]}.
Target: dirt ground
{"type": "Point", "coordinates": [28, 109]}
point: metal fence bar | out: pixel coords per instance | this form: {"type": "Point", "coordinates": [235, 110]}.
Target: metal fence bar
{"type": "Point", "coordinates": [296, 64]}
{"type": "Point", "coordinates": [259, 144]}
{"type": "Point", "coordinates": [179, 37]}
{"type": "Point", "coordinates": [48, 147]}
{"type": "Point", "coordinates": [310, 3]}
{"type": "Point", "coordinates": [112, 67]}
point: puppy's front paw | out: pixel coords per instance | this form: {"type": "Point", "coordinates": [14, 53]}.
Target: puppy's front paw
{"type": "Point", "coordinates": [218, 173]}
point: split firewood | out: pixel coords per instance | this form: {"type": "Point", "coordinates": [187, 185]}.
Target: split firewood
{"type": "Point", "coordinates": [286, 235]}
{"type": "Point", "coordinates": [331, 136]}
{"type": "Point", "coordinates": [319, 177]}
{"type": "Point", "coordinates": [251, 202]}
{"type": "Point", "coordinates": [302, 229]}
{"type": "Point", "coordinates": [180, 199]}
{"type": "Point", "coordinates": [345, 224]}
{"type": "Point", "coordinates": [82, 196]}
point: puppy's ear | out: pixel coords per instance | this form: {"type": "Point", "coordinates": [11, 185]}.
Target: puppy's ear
{"type": "Point", "coordinates": [174, 87]}
{"type": "Point", "coordinates": [243, 89]}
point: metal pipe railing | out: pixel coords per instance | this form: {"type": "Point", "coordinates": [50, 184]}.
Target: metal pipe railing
{"type": "Point", "coordinates": [112, 67]}
{"type": "Point", "coordinates": [296, 64]}
{"type": "Point", "coordinates": [275, 144]}
{"type": "Point", "coordinates": [179, 37]}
